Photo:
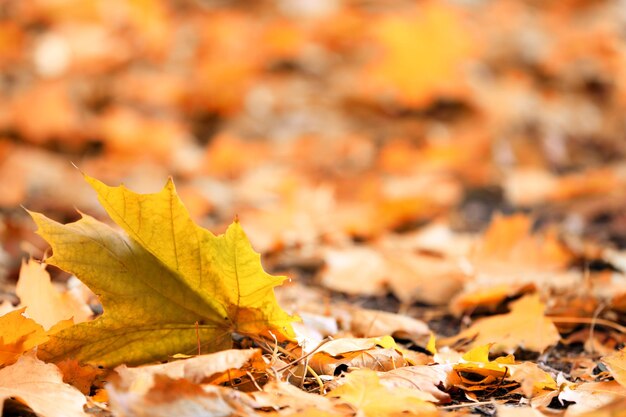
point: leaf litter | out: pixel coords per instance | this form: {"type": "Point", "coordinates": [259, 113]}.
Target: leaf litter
{"type": "Point", "coordinates": [368, 151]}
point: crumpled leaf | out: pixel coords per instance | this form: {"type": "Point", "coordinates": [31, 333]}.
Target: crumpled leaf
{"type": "Point", "coordinates": [166, 285]}
{"type": "Point", "coordinates": [41, 387]}
{"type": "Point", "coordinates": [18, 334]}
{"type": "Point", "coordinates": [524, 326]}
{"type": "Point", "coordinates": [363, 390]}
{"type": "Point", "coordinates": [377, 353]}
{"type": "Point", "coordinates": [475, 372]}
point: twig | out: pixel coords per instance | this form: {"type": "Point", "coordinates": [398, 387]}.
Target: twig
{"type": "Point", "coordinates": [453, 407]}
{"type": "Point", "coordinates": [587, 320]}
{"type": "Point", "coordinates": [322, 343]}
{"type": "Point", "coordinates": [592, 328]}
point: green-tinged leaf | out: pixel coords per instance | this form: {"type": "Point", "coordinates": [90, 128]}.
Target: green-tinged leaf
{"type": "Point", "coordinates": [166, 284]}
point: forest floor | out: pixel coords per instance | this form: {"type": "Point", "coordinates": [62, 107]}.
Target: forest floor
{"type": "Point", "coordinates": [443, 183]}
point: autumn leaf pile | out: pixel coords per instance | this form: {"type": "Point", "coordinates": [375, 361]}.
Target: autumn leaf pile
{"type": "Point", "coordinates": [381, 208]}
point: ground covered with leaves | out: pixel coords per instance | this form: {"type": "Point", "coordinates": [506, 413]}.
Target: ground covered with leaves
{"type": "Point", "coordinates": [373, 208]}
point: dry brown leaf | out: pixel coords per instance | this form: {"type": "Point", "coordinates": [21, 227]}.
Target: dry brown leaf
{"type": "Point", "coordinates": [41, 387]}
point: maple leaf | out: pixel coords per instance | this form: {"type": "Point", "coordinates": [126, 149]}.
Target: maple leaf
{"type": "Point", "coordinates": [166, 284]}
{"type": "Point", "coordinates": [41, 387]}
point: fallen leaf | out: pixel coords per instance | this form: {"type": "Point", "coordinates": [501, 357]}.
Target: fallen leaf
{"type": "Point", "coordinates": [18, 334]}
{"type": "Point", "coordinates": [427, 379]}
{"type": "Point", "coordinates": [375, 323]}
{"type": "Point", "coordinates": [377, 359]}
{"type": "Point", "coordinates": [516, 411]}
{"type": "Point", "coordinates": [591, 396]}
{"type": "Point", "coordinates": [476, 372]}
{"type": "Point", "coordinates": [166, 286]}
{"type": "Point", "coordinates": [43, 302]}
{"type": "Point", "coordinates": [41, 387]}
{"type": "Point", "coordinates": [533, 380]}
{"type": "Point", "coordinates": [408, 275]}
{"type": "Point", "coordinates": [525, 326]}
{"type": "Point", "coordinates": [179, 397]}
{"type": "Point", "coordinates": [289, 399]}
{"type": "Point", "coordinates": [82, 377]}
{"type": "Point", "coordinates": [422, 55]}
{"type": "Point", "coordinates": [345, 345]}
{"type": "Point", "coordinates": [198, 369]}
{"type": "Point", "coordinates": [616, 363]}
{"type": "Point", "coordinates": [364, 391]}
{"type": "Point", "coordinates": [379, 353]}
{"type": "Point", "coordinates": [509, 239]}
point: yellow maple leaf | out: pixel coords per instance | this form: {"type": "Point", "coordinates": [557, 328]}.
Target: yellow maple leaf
{"type": "Point", "coordinates": [166, 284]}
